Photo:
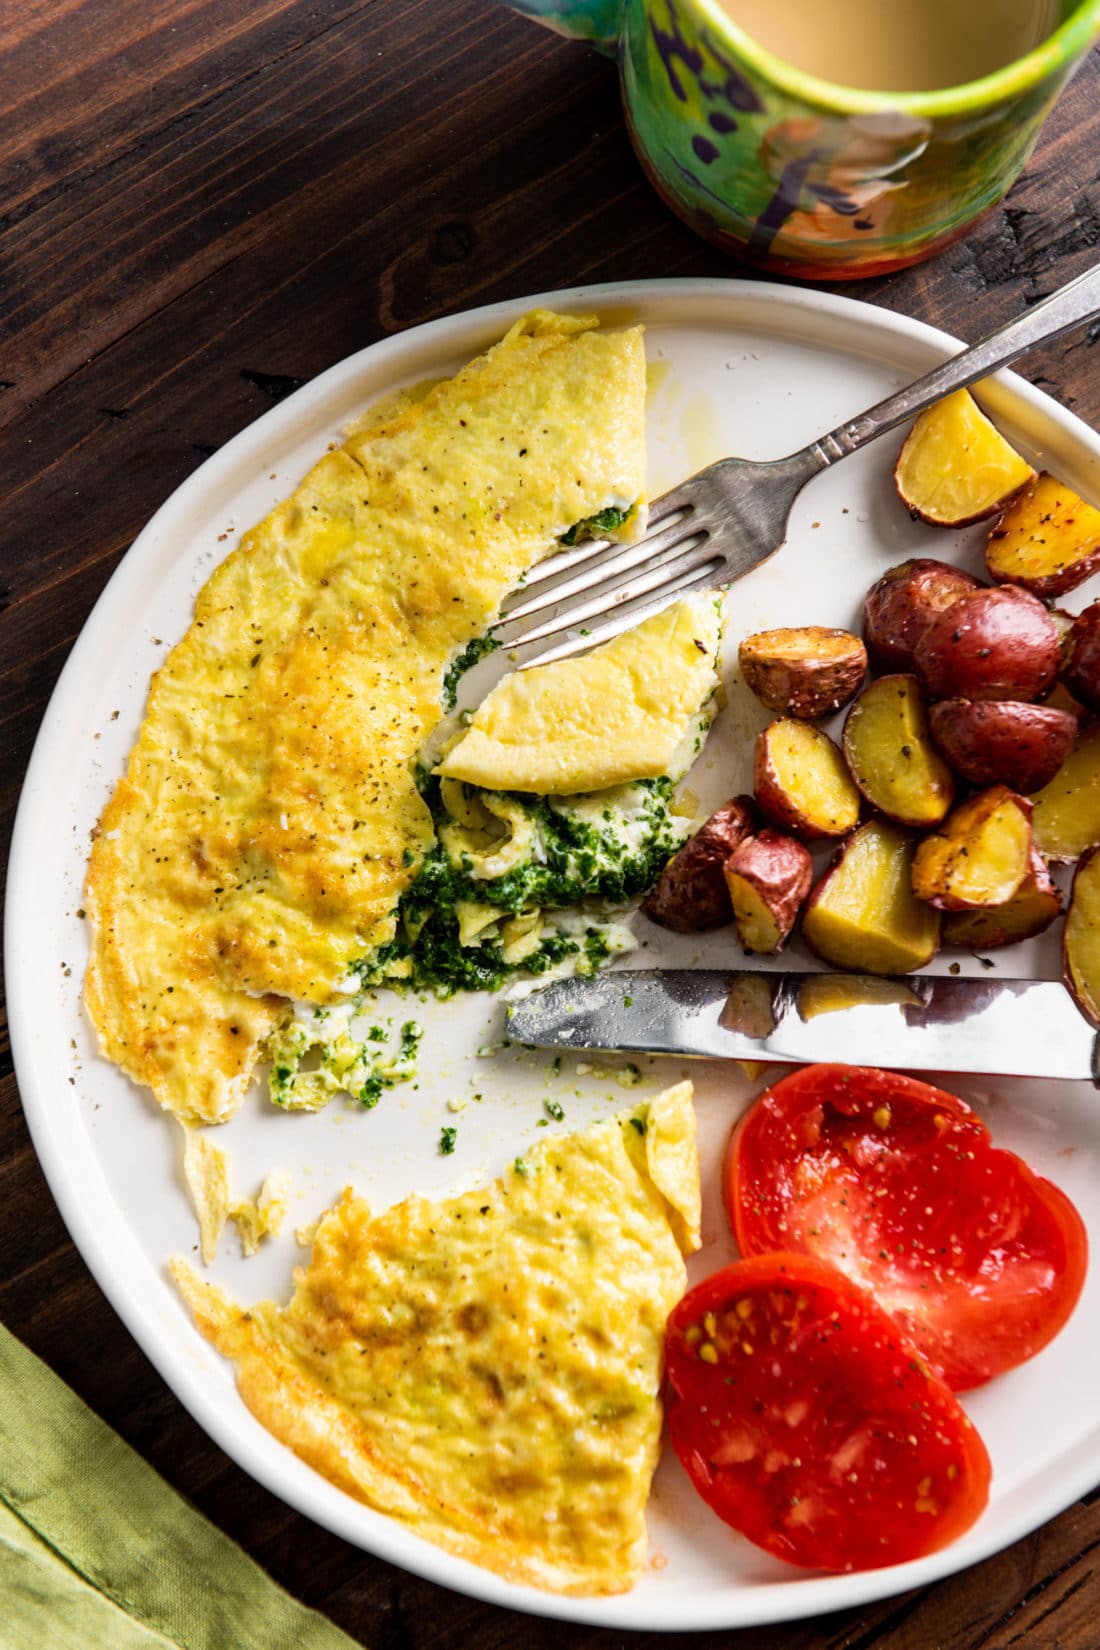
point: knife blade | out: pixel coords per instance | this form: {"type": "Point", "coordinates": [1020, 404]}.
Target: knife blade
{"type": "Point", "coordinates": [1024, 1028]}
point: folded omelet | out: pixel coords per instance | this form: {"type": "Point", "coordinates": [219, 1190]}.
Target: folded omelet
{"type": "Point", "coordinates": [269, 820]}
{"type": "Point", "coordinates": [612, 716]}
{"type": "Point", "coordinates": [487, 1368]}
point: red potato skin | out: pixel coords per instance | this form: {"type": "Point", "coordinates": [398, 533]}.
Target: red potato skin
{"type": "Point", "coordinates": [1003, 741]}
{"type": "Point", "coordinates": [901, 605]}
{"type": "Point", "coordinates": [1081, 667]}
{"type": "Point", "coordinates": [990, 644]}
{"type": "Point", "coordinates": [690, 896]}
{"type": "Point", "coordinates": [781, 870]}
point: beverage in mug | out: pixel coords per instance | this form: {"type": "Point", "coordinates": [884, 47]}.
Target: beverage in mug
{"type": "Point", "coordinates": [832, 139]}
{"type": "Point", "coordinates": [897, 45]}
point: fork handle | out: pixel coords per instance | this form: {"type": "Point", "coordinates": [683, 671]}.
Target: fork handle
{"type": "Point", "coordinates": [1070, 306]}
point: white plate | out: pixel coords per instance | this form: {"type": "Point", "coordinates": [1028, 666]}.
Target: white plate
{"type": "Point", "coordinates": [736, 367]}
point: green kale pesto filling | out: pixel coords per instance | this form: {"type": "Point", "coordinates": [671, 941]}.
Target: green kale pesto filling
{"type": "Point", "coordinates": [606, 848]}
{"type": "Point", "coordinates": [474, 650]}
{"type": "Point", "coordinates": [595, 527]}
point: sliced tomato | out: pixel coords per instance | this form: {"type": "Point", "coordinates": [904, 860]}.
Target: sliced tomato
{"type": "Point", "coordinates": [975, 1256]}
{"type": "Point", "coordinates": [804, 1420]}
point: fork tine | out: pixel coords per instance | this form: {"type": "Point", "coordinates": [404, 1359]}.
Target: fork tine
{"type": "Point", "coordinates": [696, 556]}
{"type": "Point", "coordinates": [562, 560]}
{"type": "Point", "coordinates": [626, 617]}
{"type": "Point", "coordinates": [625, 561]}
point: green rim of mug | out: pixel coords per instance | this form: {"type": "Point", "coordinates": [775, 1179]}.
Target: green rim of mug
{"type": "Point", "coordinates": [1070, 39]}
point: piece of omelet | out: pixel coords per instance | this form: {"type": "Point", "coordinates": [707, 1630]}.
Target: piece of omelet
{"type": "Point", "coordinates": [487, 1368]}
{"type": "Point", "coordinates": [268, 822]}
{"type": "Point", "coordinates": [619, 713]}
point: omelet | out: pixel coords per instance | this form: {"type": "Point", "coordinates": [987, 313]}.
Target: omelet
{"type": "Point", "coordinates": [269, 822]}
{"type": "Point", "coordinates": [619, 713]}
{"type": "Point", "coordinates": [487, 1368]}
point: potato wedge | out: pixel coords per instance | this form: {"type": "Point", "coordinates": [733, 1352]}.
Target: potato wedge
{"type": "Point", "coordinates": [690, 894]}
{"type": "Point", "coordinates": [979, 856]}
{"type": "Point", "coordinates": [863, 914]}
{"type": "Point", "coordinates": [801, 781]}
{"type": "Point", "coordinates": [1066, 820]}
{"type": "Point", "coordinates": [990, 644]}
{"type": "Point", "coordinates": [1030, 910]}
{"type": "Point", "coordinates": [901, 605]}
{"type": "Point", "coordinates": [888, 747]}
{"type": "Point", "coordinates": [806, 672]}
{"type": "Point", "coordinates": [1048, 540]}
{"type": "Point", "coordinates": [1003, 742]}
{"type": "Point", "coordinates": [1081, 665]}
{"type": "Point", "coordinates": [956, 467]}
{"type": "Point", "coordinates": [1081, 943]}
{"type": "Point", "coordinates": [768, 877]}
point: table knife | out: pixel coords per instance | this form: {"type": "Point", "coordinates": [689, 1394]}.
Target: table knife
{"type": "Point", "coordinates": [1025, 1028]}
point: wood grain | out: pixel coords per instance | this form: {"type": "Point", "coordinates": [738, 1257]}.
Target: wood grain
{"type": "Point", "coordinates": [207, 201]}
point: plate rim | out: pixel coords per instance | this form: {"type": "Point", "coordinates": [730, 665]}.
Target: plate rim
{"type": "Point", "coordinates": [282, 1473]}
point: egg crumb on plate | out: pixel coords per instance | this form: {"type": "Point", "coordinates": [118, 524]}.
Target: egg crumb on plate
{"type": "Point", "coordinates": [487, 1368]}
{"type": "Point", "coordinates": [206, 1175]}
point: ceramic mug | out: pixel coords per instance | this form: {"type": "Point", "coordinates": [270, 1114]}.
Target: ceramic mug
{"type": "Point", "coordinates": [800, 176]}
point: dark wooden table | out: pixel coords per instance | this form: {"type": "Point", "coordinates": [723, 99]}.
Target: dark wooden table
{"type": "Point", "coordinates": [205, 202]}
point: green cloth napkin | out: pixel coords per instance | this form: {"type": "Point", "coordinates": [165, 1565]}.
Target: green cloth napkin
{"type": "Point", "coordinates": [97, 1552]}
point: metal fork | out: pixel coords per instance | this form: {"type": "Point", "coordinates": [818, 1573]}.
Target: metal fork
{"type": "Point", "coordinates": [727, 519]}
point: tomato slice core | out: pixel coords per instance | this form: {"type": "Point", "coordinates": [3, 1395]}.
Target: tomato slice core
{"type": "Point", "coordinates": [978, 1259]}
{"type": "Point", "coordinates": [803, 1419]}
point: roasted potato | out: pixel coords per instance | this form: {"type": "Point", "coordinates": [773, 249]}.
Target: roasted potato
{"type": "Point", "coordinates": [901, 605]}
{"type": "Point", "coordinates": [956, 467]}
{"type": "Point", "coordinates": [1081, 943]}
{"type": "Point", "coordinates": [979, 856]}
{"type": "Point", "coordinates": [768, 877]}
{"type": "Point", "coordinates": [990, 644]}
{"type": "Point", "coordinates": [889, 749]}
{"type": "Point", "coordinates": [863, 914]}
{"type": "Point", "coordinates": [1002, 741]}
{"type": "Point", "coordinates": [690, 895]}
{"type": "Point", "coordinates": [1030, 910]}
{"type": "Point", "coordinates": [807, 672]}
{"type": "Point", "coordinates": [1048, 540]}
{"type": "Point", "coordinates": [1063, 624]}
{"type": "Point", "coordinates": [1081, 665]}
{"type": "Point", "coordinates": [801, 781]}
{"type": "Point", "coordinates": [1066, 817]}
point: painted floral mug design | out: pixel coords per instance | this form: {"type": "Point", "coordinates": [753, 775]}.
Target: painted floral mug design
{"type": "Point", "coordinates": [801, 176]}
